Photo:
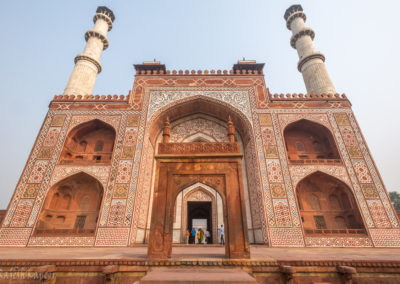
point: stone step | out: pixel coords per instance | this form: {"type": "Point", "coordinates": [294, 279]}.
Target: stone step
{"type": "Point", "coordinates": [193, 276]}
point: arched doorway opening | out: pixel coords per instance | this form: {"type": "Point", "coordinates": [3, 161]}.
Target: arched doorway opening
{"type": "Point", "coordinates": [91, 142]}
{"type": "Point", "coordinates": [71, 207]}
{"type": "Point", "coordinates": [309, 141]}
{"type": "Point", "coordinates": [203, 204]}
{"type": "Point", "coordinates": [199, 217]}
{"type": "Point", "coordinates": [180, 165]}
{"type": "Point", "coordinates": [328, 207]}
{"type": "Point", "coordinates": [194, 108]}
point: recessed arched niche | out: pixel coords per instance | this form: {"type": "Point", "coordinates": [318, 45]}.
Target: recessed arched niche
{"type": "Point", "coordinates": [310, 142]}
{"type": "Point", "coordinates": [89, 143]}
{"type": "Point", "coordinates": [71, 207]}
{"type": "Point", "coordinates": [328, 207]}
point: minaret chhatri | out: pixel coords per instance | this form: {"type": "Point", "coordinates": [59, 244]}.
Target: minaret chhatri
{"type": "Point", "coordinates": [87, 63]}
{"type": "Point", "coordinates": [311, 62]}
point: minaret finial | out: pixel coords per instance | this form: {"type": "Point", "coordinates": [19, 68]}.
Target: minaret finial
{"type": "Point", "coordinates": [311, 63]}
{"type": "Point", "coordinates": [87, 64]}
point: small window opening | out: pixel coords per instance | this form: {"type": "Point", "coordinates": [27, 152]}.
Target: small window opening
{"type": "Point", "coordinates": [97, 158]}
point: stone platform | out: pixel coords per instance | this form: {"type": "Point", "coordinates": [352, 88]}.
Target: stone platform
{"type": "Point", "coordinates": [266, 265]}
{"type": "Point", "coordinates": [194, 276]}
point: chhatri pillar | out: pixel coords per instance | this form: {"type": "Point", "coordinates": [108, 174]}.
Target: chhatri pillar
{"type": "Point", "coordinates": [311, 62]}
{"type": "Point", "coordinates": [87, 63]}
{"type": "Point", "coordinates": [166, 131]}
{"type": "Point", "coordinates": [231, 130]}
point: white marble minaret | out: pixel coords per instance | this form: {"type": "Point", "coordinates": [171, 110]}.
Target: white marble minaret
{"type": "Point", "coordinates": [87, 63]}
{"type": "Point", "coordinates": [311, 62]}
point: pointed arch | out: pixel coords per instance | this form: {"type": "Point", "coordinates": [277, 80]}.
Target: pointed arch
{"type": "Point", "coordinates": [91, 142]}
{"type": "Point", "coordinates": [331, 217]}
{"type": "Point", "coordinates": [62, 212]}
{"type": "Point", "coordinates": [62, 172]}
{"type": "Point", "coordinates": [200, 104]}
{"type": "Point", "coordinates": [198, 126]}
{"type": "Point", "coordinates": [215, 109]}
{"type": "Point", "coordinates": [199, 186]}
{"type": "Point", "coordinates": [199, 137]}
{"type": "Point", "coordinates": [309, 140]}
{"type": "Point", "coordinates": [298, 173]}
{"type": "Point", "coordinates": [211, 195]}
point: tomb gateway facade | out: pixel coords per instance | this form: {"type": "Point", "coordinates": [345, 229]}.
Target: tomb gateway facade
{"type": "Point", "coordinates": [280, 170]}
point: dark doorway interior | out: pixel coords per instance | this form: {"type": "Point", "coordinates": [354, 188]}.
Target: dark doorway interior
{"type": "Point", "coordinates": [200, 210]}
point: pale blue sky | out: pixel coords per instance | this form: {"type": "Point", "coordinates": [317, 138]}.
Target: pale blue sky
{"type": "Point", "coordinates": [40, 39]}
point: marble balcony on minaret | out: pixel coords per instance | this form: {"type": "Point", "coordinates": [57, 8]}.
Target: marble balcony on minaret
{"type": "Point", "coordinates": [311, 62]}
{"type": "Point", "coordinates": [87, 64]}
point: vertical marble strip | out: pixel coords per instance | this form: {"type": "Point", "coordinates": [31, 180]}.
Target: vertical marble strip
{"type": "Point", "coordinates": [129, 216]}
{"type": "Point", "coordinates": [113, 172]}
{"type": "Point", "coordinates": [285, 171]}
{"type": "Point", "coordinates": [261, 184]}
{"type": "Point", "coordinates": [139, 171]}
{"type": "Point", "coordinates": [346, 159]}
{"type": "Point", "coordinates": [264, 178]}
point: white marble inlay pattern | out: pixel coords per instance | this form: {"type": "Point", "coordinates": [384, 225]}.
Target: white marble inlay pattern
{"type": "Point", "coordinates": [238, 99]}
{"type": "Point", "coordinates": [99, 172]}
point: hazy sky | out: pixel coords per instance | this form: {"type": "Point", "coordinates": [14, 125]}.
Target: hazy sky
{"type": "Point", "coordinates": [40, 39]}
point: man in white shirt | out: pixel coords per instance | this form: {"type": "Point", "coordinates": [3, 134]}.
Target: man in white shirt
{"type": "Point", "coordinates": [222, 234]}
{"type": "Point", "coordinates": [207, 234]}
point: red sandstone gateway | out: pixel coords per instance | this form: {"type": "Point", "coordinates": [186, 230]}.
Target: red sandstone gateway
{"type": "Point", "coordinates": [196, 150]}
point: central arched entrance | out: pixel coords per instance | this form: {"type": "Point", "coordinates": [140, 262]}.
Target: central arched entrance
{"type": "Point", "coordinates": [190, 117]}
{"type": "Point", "coordinates": [181, 165]}
{"type": "Point", "coordinates": [220, 172]}
{"type": "Point", "coordinates": [207, 117]}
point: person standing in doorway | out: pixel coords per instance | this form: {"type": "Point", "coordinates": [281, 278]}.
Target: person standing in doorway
{"type": "Point", "coordinates": [201, 236]}
{"type": "Point", "coordinates": [187, 234]}
{"type": "Point", "coordinates": [222, 234]}
{"type": "Point", "coordinates": [193, 236]}
{"type": "Point", "coordinates": [207, 236]}
{"type": "Point", "coordinates": [198, 236]}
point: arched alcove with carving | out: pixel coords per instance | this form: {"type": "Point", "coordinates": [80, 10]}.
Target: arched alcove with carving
{"type": "Point", "coordinates": [328, 207]}
{"type": "Point", "coordinates": [310, 142]}
{"type": "Point", "coordinates": [89, 143]}
{"type": "Point", "coordinates": [71, 207]}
